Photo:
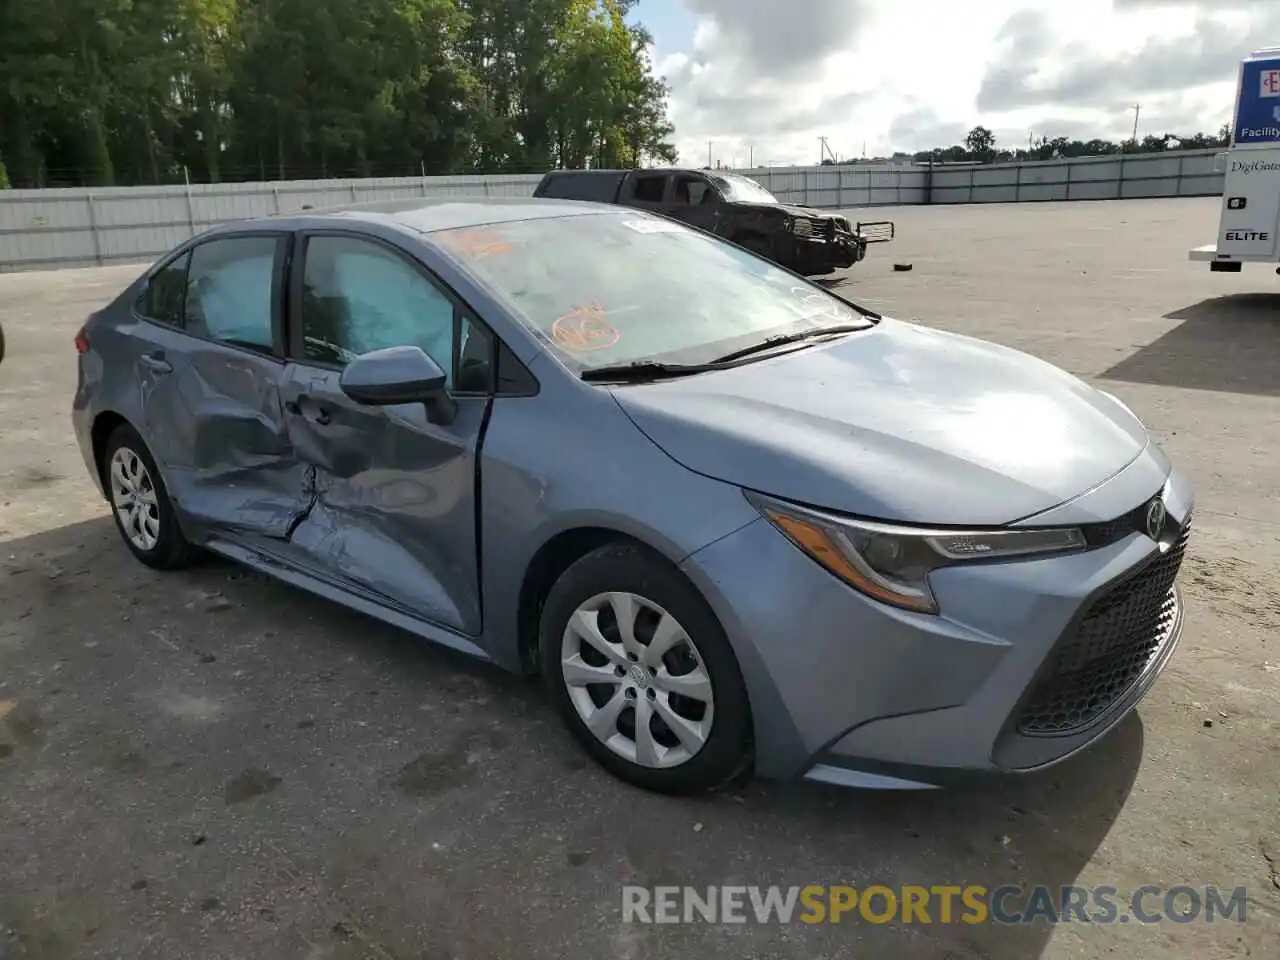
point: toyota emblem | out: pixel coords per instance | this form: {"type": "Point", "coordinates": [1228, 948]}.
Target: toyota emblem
{"type": "Point", "coordinates": [1155, 518]}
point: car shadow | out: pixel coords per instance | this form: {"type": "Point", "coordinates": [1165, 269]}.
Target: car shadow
{"type": "Point", "coordinates": [1036, 830]}
{"type": "Point", "coordinates": [1229, 343]}
{"type": "Point", "coordinates": [242, 667]}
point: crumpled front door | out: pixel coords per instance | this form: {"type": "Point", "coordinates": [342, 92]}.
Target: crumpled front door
{"type": "Point", "coordinates": [392, 497]}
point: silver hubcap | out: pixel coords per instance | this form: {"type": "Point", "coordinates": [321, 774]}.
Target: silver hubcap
{"type": "Point", "coordinates": [133, 494]}
{"type": "Point", "coordinates": [637, 680]}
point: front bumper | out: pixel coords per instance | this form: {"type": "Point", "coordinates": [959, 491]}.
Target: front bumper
{"type": "Point", "coordinates": [817, 255]}
{"type": "Point", "coordinates": [850, 691]}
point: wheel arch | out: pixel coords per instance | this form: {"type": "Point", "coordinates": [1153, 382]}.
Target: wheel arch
{"type": "Point", "coordinates": [559, 552]}
{"type": "Point", "coordinates": [104, 424]}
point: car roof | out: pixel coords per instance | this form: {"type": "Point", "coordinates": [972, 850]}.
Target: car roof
{"type": "Point", "coordinates": [427, 215]}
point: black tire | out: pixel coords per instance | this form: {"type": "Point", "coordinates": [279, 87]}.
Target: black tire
{"type": "Point", "coordinates": [171, 549]}
{"type": "Point", "coordinates": [725, 756]}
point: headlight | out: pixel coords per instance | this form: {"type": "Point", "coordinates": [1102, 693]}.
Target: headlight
{"type": "Point", "coordinates": [892, 563]}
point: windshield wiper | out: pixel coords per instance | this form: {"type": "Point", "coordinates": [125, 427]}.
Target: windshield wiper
{"type": "Point", "coordinates": [782, 339]}
{"type": "Point", "coordinates": [642, 370]}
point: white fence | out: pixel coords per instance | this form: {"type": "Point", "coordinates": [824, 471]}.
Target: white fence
{"type": "Point", "coordinates": [1190, 173]}
{"type": "Point", "coordinates": [85, 227]}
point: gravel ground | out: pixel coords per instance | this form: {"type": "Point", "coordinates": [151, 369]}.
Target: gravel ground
{"type": "Point", "coordinates": [208, 764]}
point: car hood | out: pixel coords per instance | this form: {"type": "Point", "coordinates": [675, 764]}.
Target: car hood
{"type": "Point", "coordinates": [809, 212]}
{"type": "Point", "coordinates": [786, 208]}
{"type": "Point", "coordinates": [898, 422]}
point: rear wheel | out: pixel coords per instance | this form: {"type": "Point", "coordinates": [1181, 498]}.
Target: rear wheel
{"type": "Point", "coordinates": [140, 504]}
{"type": "Point", "coordinates": [643, 673]}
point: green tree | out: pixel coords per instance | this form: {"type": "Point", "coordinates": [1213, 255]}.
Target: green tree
{"type": "Point", "coordinates": [135, 91]}
{"type": "Point", "coordinates": [981, 142]}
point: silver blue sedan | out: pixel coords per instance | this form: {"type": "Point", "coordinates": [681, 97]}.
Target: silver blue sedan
{"type": "Point", "coordinates": [736, 522]}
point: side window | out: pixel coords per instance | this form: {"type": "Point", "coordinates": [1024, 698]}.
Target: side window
{"type": "Point", "coordinates": [358, 296]}
{"type": "Point", "coordinates": [163, 298]}
{"type": "Point", "coordinates": [475, 358]}
{"type": "Point", "coordinates": [649, 189]}
{"type": "Point", "coordinates": [583, 185]}
{"type": "Point", "coordinates": [514, 378]}
{"type": "Point", "coordinates": [692, 191]}
{"type": "Point", "coordinates": [230, 293]}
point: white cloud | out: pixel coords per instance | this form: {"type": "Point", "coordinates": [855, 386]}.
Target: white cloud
{"type": "Point", "coordinates": [768, 78]}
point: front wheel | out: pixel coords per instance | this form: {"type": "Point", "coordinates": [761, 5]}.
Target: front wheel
{"type": "Point", "coordinates": [643, 674]}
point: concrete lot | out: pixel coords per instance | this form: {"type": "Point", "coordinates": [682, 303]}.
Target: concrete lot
{"type": "Point", "coordinates": [210, 765]}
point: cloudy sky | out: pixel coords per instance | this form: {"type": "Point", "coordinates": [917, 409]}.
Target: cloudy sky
{"type": "Point", "coordinates": [766, 78]}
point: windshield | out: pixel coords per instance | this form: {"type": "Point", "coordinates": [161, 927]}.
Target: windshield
{"type": "Point", "coordinates": [619, 288]}
{"type": "Point", "coordinates": [742, 189]}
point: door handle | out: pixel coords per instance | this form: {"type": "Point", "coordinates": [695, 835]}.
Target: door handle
{"type": "Point", "coordinates": [156, 363]}
{"type": "Point", "coordinates": [309, 409]}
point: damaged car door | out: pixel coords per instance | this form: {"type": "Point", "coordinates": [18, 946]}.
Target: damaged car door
{"type": "Point", "coordinates": [391, 489]}
{"type": "Point", "coordinates": [209, 361]}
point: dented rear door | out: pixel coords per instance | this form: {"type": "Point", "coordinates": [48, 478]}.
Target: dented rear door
{"type": "Point", "coordinates": [210, 388]}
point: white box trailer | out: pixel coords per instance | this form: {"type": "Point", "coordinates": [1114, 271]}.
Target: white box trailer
{"type": "Point", "coordinates": [1249, 225]}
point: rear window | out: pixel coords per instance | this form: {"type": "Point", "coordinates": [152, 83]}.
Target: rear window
{"type": "Point", "coordinates": [600, 187]}
{"type": "Point", "coordinates": [165, 292]}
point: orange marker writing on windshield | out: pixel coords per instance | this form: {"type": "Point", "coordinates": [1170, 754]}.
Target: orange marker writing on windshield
{"type": "Point", "coordinates": [585, 328]}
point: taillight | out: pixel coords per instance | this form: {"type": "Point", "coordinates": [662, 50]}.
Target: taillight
{"type": "Point", "coordinates": [82, 341]}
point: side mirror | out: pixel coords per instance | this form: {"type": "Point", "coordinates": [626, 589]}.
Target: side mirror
{"type": "Point", "coordinates": [399, 375]}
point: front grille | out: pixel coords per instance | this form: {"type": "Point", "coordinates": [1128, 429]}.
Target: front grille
{"type": "Point", "coordinates": [1107, 532]}
{"type": "Point", "coordinates": [1109, 651]}
{"type": "Point", "coordinates": [802, 228]}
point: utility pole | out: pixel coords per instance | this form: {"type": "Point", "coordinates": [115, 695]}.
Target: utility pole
{"type": "Point", "coordinates": [1137, 109]}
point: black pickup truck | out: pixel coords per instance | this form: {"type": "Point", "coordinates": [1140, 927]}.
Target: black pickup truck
{"type": "Point", "coordinates": [732, 206]}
